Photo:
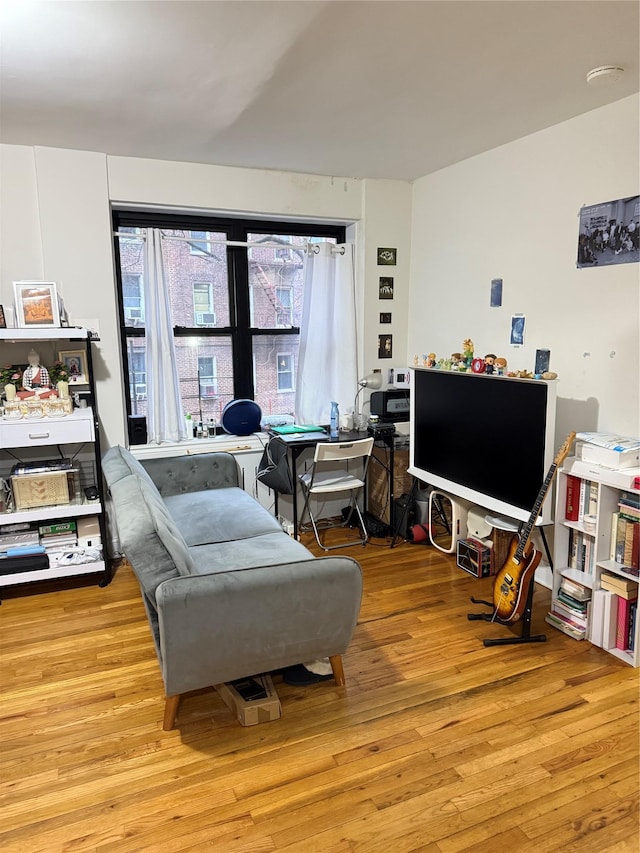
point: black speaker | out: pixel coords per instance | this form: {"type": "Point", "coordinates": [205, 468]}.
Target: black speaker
{"type": "Point", "coordinates": [137, 429]}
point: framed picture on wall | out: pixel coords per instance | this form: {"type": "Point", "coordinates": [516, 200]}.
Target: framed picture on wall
{"type": "Point", "coordinates": [385, 287]}
{"type": "Point", "coordinates": [385, 346]}
{"type": "Point", "coordinates": [3, 319]}
{"type": "Point", "coordinates": [74, 361]}
{"type": "Point", "coordinates": [387, 257]}
{"type": "Point", "coordinates": [36, 304]}
{"type": "Point", "coordinates": [385, 316]}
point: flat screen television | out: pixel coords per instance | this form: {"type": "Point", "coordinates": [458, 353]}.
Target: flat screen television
{"type": "Point", "coordinates": [487, 439]}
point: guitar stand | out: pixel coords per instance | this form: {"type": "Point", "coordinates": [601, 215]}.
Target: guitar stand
{"type": "Point", "coordinates": [525, 637]}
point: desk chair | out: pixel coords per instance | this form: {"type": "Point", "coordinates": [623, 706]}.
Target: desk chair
{"type": "Point", "coordinates": [323, 479]}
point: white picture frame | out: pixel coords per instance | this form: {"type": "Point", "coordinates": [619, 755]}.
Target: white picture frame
{"type": "Point", "coordinates": [36, 305]}
{"type": "Point", "coordinates": [76, 363]}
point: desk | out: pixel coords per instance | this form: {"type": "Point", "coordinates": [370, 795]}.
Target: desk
{"type": "Point", "coordinates": [296, 448]}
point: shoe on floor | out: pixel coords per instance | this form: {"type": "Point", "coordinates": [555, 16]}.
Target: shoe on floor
{"type": "Point", "coordinates": [300, 676]}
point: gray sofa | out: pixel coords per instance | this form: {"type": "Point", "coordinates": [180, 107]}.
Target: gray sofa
{"type": "Point", "coordinates": [228, 594]}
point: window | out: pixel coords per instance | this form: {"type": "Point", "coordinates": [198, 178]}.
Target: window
{"type": "Point", "coordinates": [207, 376]}
{"type": "Point", "coordinates": [285, 372]}
{"type": "Point", "coordinates": [133, 298]}
{"type": "Point", "coordinates": [236, 313]}
{"type": "Point", "coordinates": [198, 244]}
{"type": "Point", "coordinates": [284, 306]}
{"type": "Point", "coordinates": [202, 304]}
{"type": "Point", "coordinates": [283, 254]}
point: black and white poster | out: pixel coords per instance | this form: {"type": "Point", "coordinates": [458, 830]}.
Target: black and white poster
{"type": "Point", "coordinates": [608, 233]}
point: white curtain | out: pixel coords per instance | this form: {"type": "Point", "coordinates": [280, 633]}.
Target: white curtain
{"type": "Point", "coordinates": [165, 416]}
{"type": "Point", "coordinates": [327, 361]}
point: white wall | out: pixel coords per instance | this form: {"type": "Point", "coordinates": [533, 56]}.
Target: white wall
{"type": "Point", "coordinates": [55, 224]}
{"type": "Point", "coordinates": [512, 213]}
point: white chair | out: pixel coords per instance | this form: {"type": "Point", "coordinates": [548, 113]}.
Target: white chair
{"type": "Point", "coordinates": [323, 479]}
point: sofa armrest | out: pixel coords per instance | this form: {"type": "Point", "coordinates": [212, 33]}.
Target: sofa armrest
{"type": "Point", "coordinates": [174, 475]}
{"type": "Point", "coordinates": [219, 627]}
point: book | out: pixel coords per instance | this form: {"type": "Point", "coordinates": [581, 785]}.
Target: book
{"type": "Point", "coordinates": [29, 537]}
{"type": "Point", "coordinates": [630, 498]}
{"type": "Point", "coordinates": [574, 603]}
{"type": "Point", "coordinates": [622, 623]}
{"type": "Point", "coordinates": [566, 613]}
{"type": "Point", "coordinates": [575, 589]}
{"type": "Point", "coordinates": [593, 498]}
{"type": "Point", "coordinates": [41, 467]}
{"type": "Point", "coordinates": [620, 538]}
{"type": "Point", "coordinates": [565, 627]}
{"type": "Point", "coordinates": [633, 615]}
{"type": "Point", "coordinates": [609, 619]}
{"type": "Point", "coordinates": [613, 535]}
{"type": "Point", "coordinates": [627, 558]}
{"type": "Point", "coordinates": [623, 584]}
{"type": "Point", "coordinates": [57, 528]}
{"type": "Point", "coordinates": [596, 622]}
{"type": "Point", "coordinates": [583, 498]}
{"type": "Point", "coordinates": [571, 500]}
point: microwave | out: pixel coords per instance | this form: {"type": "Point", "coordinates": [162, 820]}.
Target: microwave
{"type": "Point", "coordinates": [391, 405]}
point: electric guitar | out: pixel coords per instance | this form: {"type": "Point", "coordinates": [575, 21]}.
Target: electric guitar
{"type": "Point", "coordinates": [512, 583]}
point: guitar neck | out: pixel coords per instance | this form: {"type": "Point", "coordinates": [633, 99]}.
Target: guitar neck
{"type": "Point", "coordinates": [535, 512]}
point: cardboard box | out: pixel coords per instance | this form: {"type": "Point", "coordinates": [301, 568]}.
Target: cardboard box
{"type": "Point", "coordinates": [252, 712]}
{"type": "Point", "coordinates": [608, 458]}
{"type": "Point", "coordinates": [34, 490]}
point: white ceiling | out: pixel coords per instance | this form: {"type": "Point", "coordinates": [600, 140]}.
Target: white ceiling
{"type": "Point", "coordinates": [387, 89]}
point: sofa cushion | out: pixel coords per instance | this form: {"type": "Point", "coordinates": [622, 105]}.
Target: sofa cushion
{"type": "Point", "coordinates": [219, 515]}
{"type": "Point", "coordinates": [267, 550]}
{"type": "Point", "coordinates": [148, 536]}
{"type": "Point", "coordinates": [118, 463]}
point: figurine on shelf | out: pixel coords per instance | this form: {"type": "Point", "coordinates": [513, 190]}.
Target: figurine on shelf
{"type": "Point", "coordinates": [457, 361]}
{"type": "Point", "coordinates": [35, 379]}
{"type": "Point", "coordinates": [490, 363]}
{"type": "Point", "coordinates": [431, 359]}
{"type": "Point", "coordinates": [500, 365]}
{"type": "Point", "coordinates": [467, 349]}
{"type": "Point", "coordinates": [415, 361]}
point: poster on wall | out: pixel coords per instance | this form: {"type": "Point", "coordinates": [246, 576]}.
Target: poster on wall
{"type": "Point", "coordinates": [608, 233]}
{"type": "Point", "coordinates": [385, 346]}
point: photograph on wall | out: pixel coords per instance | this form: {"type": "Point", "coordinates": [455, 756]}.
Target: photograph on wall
{"type": "Point", "coordinates": [385, 346]}
{"type": "Point", "coordinates": [385, 287]}
{"type": "Point", "coordinates": [608, 233]}
{"type": "Point", "coordinates": [36, 304]}
{"type": "Point", "coordinates": [385, 316]}
{"type": "Point", "coordinates": [387, 257]}
{"type": "Point", "coordinates": [517, 330]}
{"type": "Point", "coordinates": [3, 319]}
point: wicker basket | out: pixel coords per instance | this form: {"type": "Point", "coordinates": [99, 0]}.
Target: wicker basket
{"type": "Point", "coordinates": [32, 490]}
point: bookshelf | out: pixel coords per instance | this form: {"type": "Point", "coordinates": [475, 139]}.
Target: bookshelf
{"type": "Point", "coordinates": [585, 559]}
{"type": "Point", "coordinates": [59, 500]}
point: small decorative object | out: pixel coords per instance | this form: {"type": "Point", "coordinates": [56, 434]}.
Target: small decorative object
{"type": "Point", "coordinates": [387, 257]}
{"type": "Point", "coordinates": [549, 374]}
{"type": "Point", "coordinates": [477, 365]}
{"type": "Point", "coordinates": [431, 359]}
{"type": "Point", "coordinates": [415, 361]}
{"type": "Point", "coordinates": [36, 304]}
{"type": "Point", "coordinates": [9, 379]}
{"type": "Point", "coordinates": [35, 379]}
{"type": "Point", "coordinates": [467, 349]}
{"type": "Point", "coordinates": [385, 287]}
{"type": "Point", "coordinates": [501, 366]}
{"type": "Point", "coordinates": [518, 322]}
{"type": "Point", "coordinates": [457, 361]}
{"type": "Point", "coordinates": [3, 319]}
{"type": "Point", "coordinates": [489, 363]}
{"type": "Point", "coordinates": [12, 410]}
{"type": "Point", "coordinates": [59, 375]}
{"type": "Point", "coordinates": [74, 361]}
{"type": "Point", "coordinates": [385, 317]}
{"type": "Point", "coordinates": [35, 408]}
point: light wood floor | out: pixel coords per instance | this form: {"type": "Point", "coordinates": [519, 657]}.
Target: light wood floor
{"type": "Point", "coordinates": [437, 744]}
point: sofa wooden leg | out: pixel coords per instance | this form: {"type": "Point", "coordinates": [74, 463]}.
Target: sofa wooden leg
{"type": "Point", "coordinates": [170, 712]}
{"type": "Point", "coordinates": [338, 671]}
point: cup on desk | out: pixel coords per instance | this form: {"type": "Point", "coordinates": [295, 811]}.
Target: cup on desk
{"type": "Point", "coordinates": [346, 422]}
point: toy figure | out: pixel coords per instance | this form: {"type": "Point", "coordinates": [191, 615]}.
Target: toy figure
{"type": "Point", "coordinates": [501, 366]}
{"type": "Point", "coordinates": [425, 360]}
{"type": "Point", "coordinates": [35, 379]}
{"type": "Point", "coordinates": [431, 359]}
{"type": "Point", "coordinates": [467, 348]}
{"type": "Point", "coordinates": [489, 363]}
{"type": "Point", "coordinates": [415, 361]}
{"type": "Point", "coordinates": [457, 361]}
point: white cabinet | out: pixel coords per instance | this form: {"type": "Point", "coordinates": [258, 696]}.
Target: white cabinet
{"type": "Point", "coordinates": [584, 552]}
{"type": "Point", "coordinates": [29, 442]}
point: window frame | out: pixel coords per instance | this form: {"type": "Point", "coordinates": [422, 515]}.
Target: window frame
{"type": "Point", "coordinates": [240, 331]}
{"type": "Point", "coordinates": [289, 372]}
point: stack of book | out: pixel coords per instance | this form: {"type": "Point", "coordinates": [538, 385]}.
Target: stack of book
{"type": "Point", "coordinates": [625, 531]}
{"type": "Point", "coordinates": [624, 604]}
{"type": "Point", "coordinates": [570, 609]}
{"type": "Point", "coordinates": [21, 551]}
{"type": "Point", "coordinates": [581, 498]}
{"type": "Point", "coordinates": [58, 536]}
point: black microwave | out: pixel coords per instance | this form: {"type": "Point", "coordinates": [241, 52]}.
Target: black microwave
{"type": "Point", "coordinates": [391, 406]}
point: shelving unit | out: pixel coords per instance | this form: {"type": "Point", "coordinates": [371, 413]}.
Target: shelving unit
{"type": "Point", "coordinates": [75, 436]}
{"type": "Point", "coordinates": [596, 546]}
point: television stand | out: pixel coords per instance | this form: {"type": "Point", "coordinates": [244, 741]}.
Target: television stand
{"type": "Point", "coordinates": [525, 637]}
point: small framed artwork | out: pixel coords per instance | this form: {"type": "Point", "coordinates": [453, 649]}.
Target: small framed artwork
{"type": "Point", "coordinates": [75, 362]}
{"type": "Point", "coordinates": [385, 287]}
{"type": "Point", "coordinates": [36, 304]}
{"type": "Point", "coordinates": [387, 257]}
{"type": "Point", "coordinates": [385, 346]}
{"type": "Point", "coordinates": [385, 316]}
{"type": "Point", "coordinates": [518, 322]}
{"type": "Point", "coordinates": [3, 319]}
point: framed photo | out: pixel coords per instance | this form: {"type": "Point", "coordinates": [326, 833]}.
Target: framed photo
{"type": "Point", "coordinates": [387, 257]}
{"type": "Point", "coordinates": [385, 346]}
{"type": "Point", "coordinates": [385, 316]}
{"type": "Point", "coordinates": [75, 362]}
{"type": "Point", "coordinates": [36, 304]}
{"type": "Point", "coordinates": [385, 287]}
{"type": "Point", "coordinates": [3, 319]}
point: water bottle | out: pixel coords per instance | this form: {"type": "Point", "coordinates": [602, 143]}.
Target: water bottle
{"type": "Point", "coordinates": [335, 420]}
